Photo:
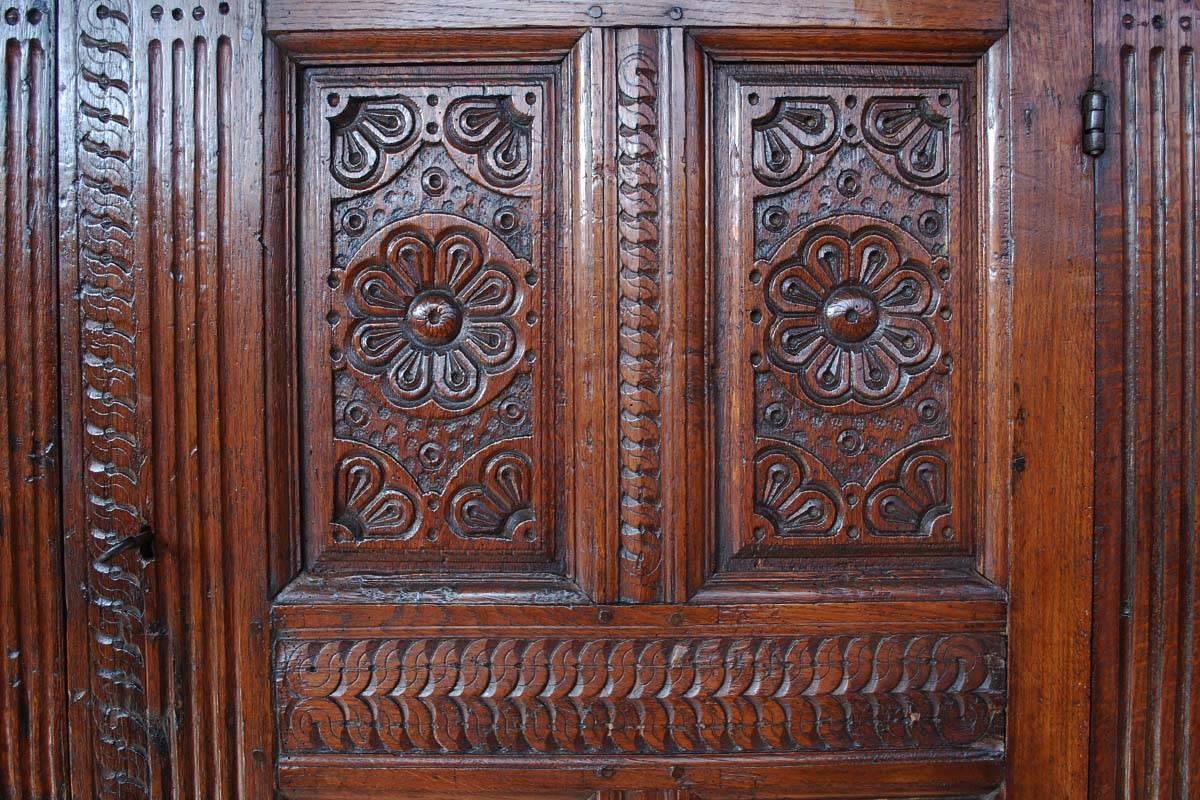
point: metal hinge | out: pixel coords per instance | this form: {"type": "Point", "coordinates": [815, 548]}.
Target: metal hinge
{"type": "Point", "coordinates": [1095, 103]}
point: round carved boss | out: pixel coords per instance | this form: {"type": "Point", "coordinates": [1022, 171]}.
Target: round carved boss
{"type": "Point", "coordinates": [851, 312]}
{"type": "Point", "coordinates": [434, 303]}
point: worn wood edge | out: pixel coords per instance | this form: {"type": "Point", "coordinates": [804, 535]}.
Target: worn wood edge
{"type": "Point", "coordinates": [381, 619]}
{"type": "Point", "coordinates": [1051, 523]}
{"type": "Point", "coordinates": [817, 778]}
{"type": "Point", "coordinates": [298, 15]}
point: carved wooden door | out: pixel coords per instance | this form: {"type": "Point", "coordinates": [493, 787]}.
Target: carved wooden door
{"type": "Point", "coordinates": [624, 402]}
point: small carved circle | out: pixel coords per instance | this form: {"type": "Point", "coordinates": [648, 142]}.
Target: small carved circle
{"type": "Point", "coordinates": [852, 532]}
{"type": "Point", "coordinates": [604, 615]}
{"type": "Point", "coordinates": [1127, 20]}
{"type": "Point", "coordinates": [852, 498]}
{"type": "Point", "coordinates": [851, 130]}
{"type": "Point", "coordinates": [435, 318]}
{"type": "Point", "coordinates": [506, 220]}
{"type": "Point", "coordinates": [177, 14]}
{"type": "Point", "coordinates": [431, 127]}
{"type": "Point", "coordinates": [947, 362]}
{"type": "Point", "coordinates": [223, 8]}
{"type": "Point", "coordinates": [335, 354]}
{"type": "Point", "coordinates": [929, 411]}
{"type": "Point", "coordinates": [434, 181]}
{"type": "Point", "coordinates": [333, 318]}
{"type": "Point", "coordinates": [850, 314]}
{"type": "Point", "coordinates": [354, 222]}
{"type": "Point", "coordinates": [34, 15]}
{"type": "Point", "coordinates": [434, 504]}
{"type": "Point", "coordinates": [531, 318]}
{"type": "Point", "coordinates": [676, 772]}
{"type": "Point", "coordinates": [1158, 22]}
{"type": "Point", "coordinates": [1185, 23]}
{"type": "Point", "coordinates": [945, 313]}
{"type": "Point", "coordinates": [432, 99]}
{"type": "Point", "coordinates": [755, 276]}
{"type": "Point", "coordinates": [775, 218]}
{"type": "Point", "coordinates": [333, 281]}
{"type": "Point", "coordinates": [512, 412]}
{"type": "Point", "coordinates": [930, 223]}
{"type": "Point", "coordinates": [356, 413]}
{"type": "Point", "coordinates": [675, 619]}
{"type": "Point", "coordinates": [776, 415]}
{"type": "Point", "coordinates": [12, 16]}
{"type": "Point", "coordinates": [756, 316]}
{"type": "Point", "coordinates": [752, 98]}
{"type": "Point", "coordinates": [156, 13]}
{"type": "Point", "coordinates": [676, 13]}
{"type": "Point", "coordinates": [850, 442]}
{"type": "Point", "coordinates": [944, 273]}
{"type": "Point", "coordinates": [531, 277]}
{"type": "Point", "coordinates": [851, 100]}
{"type": "Point", "coordinates": [198, 13]}
{"type": "Point", "coordinates": [760, 533]}
{"type": "Point", "coordinates": [947, 533]}
{"type": "Point", "coordinates": [849, 183]}
{"type": "Point", "coordinates": [431, 455]}
{"type": "Point", "coordinates": [333, 99]}
{"type": "Point", "coordinates": [531, 356]}
{"type": "Point", "coordinates": [945, 99]}
{"type": "Point", "coordinates": [756, 359]}
{"type": "Point", "coordinates": [595, 12]}
{"type": "Point", "coordinates": [530, 98]}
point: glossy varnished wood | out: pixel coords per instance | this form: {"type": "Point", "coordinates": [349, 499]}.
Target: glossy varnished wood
{"type": "Point", "coordinates": [1144, 645]}
{"type": "Point", "coordinates": [33, 758]}
{"type": "Point", "coordinates": [621, 400]}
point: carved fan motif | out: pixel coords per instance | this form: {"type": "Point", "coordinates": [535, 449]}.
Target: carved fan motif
{"type": "Point", "coordinates": [789, 498]}
{"type": "Point", "coordinates": [492, 129]}
{"type": "Point", "coordinates": [365, 133]}
{"type": "Point", "coordinates": [914, 133]}
{"type": "Point", "coordinates": [367, 506]}
{"type": "Point", "coordinates": [911, 503]}
{"type": "Point", "coordinates": [788, 140]}
{"type": "Point", "coordinates": [499, 505]}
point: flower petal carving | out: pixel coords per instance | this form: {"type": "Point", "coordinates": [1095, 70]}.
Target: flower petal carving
{"type": "Point", "coordinates": [789, 138]}
{"type": "Point", "coordinates": [365, 133]}
{"type": "Point", "coordinates": [492, 129]}
{"type": "Point", "coordinates": [917, 136]}
{"type": "Point", "coordinates": [500, 504]}
{"type": "Point", "coordinates": [911, 503]}
{"type": "Point", "coordinates": [850, 305]}
{"type": "Point", "coordinates": [788, 497]}
{"type": "Point", "coordinates": [367, 505]}
{"type": "Point", "coordinates": [432, 309]}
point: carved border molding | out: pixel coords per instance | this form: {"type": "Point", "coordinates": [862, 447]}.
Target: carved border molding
{"type": "Point", "coordinates": [648, 696]}
{"type": "Point", "coordinates": [639, 248]}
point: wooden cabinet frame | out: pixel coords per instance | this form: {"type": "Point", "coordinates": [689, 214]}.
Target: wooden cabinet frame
{"type": "Point", "coordinates": [179, 620]}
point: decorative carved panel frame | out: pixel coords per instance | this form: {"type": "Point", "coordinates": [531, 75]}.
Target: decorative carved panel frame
{"type": "Point", "coordinates": [428, 268]}
{"type": "Point", "coordinates": [852, 345]}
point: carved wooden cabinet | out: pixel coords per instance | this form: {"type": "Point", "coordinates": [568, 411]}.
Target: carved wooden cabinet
{"type": "Point", "coordinates": [548, 399]}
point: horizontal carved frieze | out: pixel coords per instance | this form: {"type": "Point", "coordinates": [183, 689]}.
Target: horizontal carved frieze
{"type": "Point", "coordinates": [651, 696]}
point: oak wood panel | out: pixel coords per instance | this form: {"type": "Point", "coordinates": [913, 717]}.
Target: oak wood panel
{"type": "Point", "coordinates": [1053, 357]}
{"type": "Point", "coordinates": [1144, 647]}
{"type": "Point", "coordinates": [32, 690]}
{"type": "Point", "coordinates": [167, 408]}
{"type": "Point", "coordinates": [299, 15]}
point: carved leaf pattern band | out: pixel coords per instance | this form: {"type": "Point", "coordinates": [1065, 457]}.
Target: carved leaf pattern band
{"type": "Point", "coordinates": [700, 695]}
{"type": "Point", "coordinates": [112, 450]}
{"type": "Point", "coordinates": [639, 306]}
